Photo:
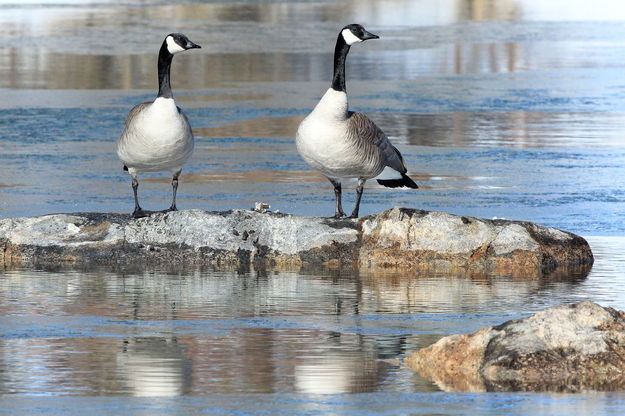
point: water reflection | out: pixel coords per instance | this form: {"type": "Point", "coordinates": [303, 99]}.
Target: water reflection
{"type": "Point", "coordinates": [67, 70]}
{"type": "Point", "coordinates": [113, 46]}
{"type": "Point", "coordinates": [513, 129]}
{"type": "Point", "coordinates": [285, 126]}
{"type": "Point", "coordinates": [154, 366]}
{"type": "Point", "coordinates": [199, 332]}
{"type": "Point", "coordinates": [339, 373]}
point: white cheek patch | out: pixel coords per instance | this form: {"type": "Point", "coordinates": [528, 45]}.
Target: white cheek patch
{"type": "Point", "coordinates": [349, 37]}
{"type": "Point", "coordinates": [172, 46]}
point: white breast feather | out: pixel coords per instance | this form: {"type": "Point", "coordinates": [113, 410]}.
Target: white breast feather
{"type": "Point", "coordinates": [322, 140]}
{"type": "Point", "coordinates": [159, 138]}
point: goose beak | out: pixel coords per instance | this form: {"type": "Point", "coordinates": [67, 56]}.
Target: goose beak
{"type": "Point", "coordinates": [369, 35]}
{"type": "Point", "coordinates": [191, 45]}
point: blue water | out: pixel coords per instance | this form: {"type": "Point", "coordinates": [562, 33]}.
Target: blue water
{"type": "Point", "coordinates": [507, 109]}
{"type": "Point", "coordinates": [551, 185]}
{"type": "Point", "coordinates": [352, 404]}
{"type": "Point", "coordinates": [200, 342]}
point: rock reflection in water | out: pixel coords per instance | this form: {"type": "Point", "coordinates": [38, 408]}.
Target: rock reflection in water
{"type": "Point", "coordinates": [154, 333]}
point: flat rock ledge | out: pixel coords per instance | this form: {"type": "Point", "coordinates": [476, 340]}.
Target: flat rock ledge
{"type": "Point", "coordinates": [398, 238]}
{"type": "Point", "coordinates": [568, 348]}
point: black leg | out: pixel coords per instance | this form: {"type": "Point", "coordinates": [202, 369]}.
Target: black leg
{"type": "Point", "coordinates": [174, 187]}
{"type": "Point", "coordinates": [359, 190]}
{"type": "Point", "coordinates": [138, 212]}
{"type": "Point", "coordinates": [338, 211]}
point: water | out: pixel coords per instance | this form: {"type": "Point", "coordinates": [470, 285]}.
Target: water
{"type": "Point", "coordinates": [509, 109]}
{"type": "Point", "coordinates": [269, 342]}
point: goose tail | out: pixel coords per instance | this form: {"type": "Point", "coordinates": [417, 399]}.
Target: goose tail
{"type": "Point", "coordinates": [404, 182]}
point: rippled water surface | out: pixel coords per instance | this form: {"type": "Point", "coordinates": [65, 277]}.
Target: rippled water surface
{"type": "Point", "coordinates": [507, 108]}
{"type": "Point", "coordinates": [266, 342]}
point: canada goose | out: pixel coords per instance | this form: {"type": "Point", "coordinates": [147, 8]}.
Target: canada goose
{"type": "Point", "coordinates": [344, 144]}
{"type": "Point", "coordinates": [157, 136]}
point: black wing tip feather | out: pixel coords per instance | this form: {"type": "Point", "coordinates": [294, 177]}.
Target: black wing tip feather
{"type": "Point", "coordinates": [405, 181]}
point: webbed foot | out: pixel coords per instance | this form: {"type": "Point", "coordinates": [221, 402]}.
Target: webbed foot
{"type": "Point", "coordinates": [140, 213]}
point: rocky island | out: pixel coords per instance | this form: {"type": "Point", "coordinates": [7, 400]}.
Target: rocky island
{"type": "Point", "coordinates": [399, 238]}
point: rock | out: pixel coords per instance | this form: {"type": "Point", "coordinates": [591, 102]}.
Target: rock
{"type": "Point", "coordinates": [407, 238]}
{"type": "Point", "coordinates": [567, 348]}
{"type": "Point", "coordinates": [192, 237]}
{"type": "Point", "coordinates": [398, 238]}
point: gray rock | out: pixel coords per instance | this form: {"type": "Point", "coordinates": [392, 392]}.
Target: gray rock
{"type": "Point", "coordinates": [567, 348]}
{"type": "Point", "coordinates": [412, 238]}
{"type": "Point", "coordinates": [397, 238]}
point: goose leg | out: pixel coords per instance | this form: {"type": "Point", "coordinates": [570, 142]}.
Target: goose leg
{"type": "Point", "coordinates": [338, 211]}
{"type": "Point", "coordinates": [138, 212]}
{"type": "Point", "coordinates": [359, 190]}
{"type": "Point", "coordinates": [174, 187]}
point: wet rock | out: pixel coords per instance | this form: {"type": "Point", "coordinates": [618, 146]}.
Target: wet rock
{"type": "Point", "coordinates": [398, 239]}
{"type": "Point", "coordinates": [221, 239]}
{"type": "Point", "coordinates": [567, 348]}
{"type": "Point", "coordinates": [407, 238]}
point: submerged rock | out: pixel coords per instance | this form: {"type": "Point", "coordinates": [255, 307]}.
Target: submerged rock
{"type": "Point", "coordinates": [568, 348]}
{"type": "Point", "coordinates": [398, 238]}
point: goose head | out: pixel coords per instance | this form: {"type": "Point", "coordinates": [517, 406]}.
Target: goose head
{"type": "Point", "coordinates": [177, 42]}
{"type": "Point", "coordinates": [355, 33]}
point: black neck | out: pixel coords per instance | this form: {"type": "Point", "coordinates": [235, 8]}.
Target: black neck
{"type": "Point", "coordinates": [340, 53]}
{"type": "Point", "coordinates": [164, 65]}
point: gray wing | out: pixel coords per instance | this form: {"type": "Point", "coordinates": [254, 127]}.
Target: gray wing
{"type": "Point", "coordinates": [372, 139]}
{"type": "Point", "coordinates": [129, 131]}
{"type": "Point", "coordinates": [133, 113]}
{"type": "Point", "coordinates": [184, 116]}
